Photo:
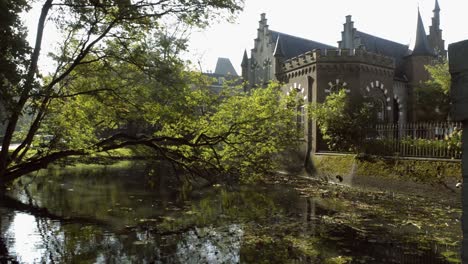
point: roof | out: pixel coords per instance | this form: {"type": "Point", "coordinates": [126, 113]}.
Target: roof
{"type": "Point", "coordinates": [385, 47]}
{"type": "Point", "coordinates": [293, 46]}
{"type": "Point", "coordinates": [245, 59]}
{"type": "Point", "coordinates": [224, 67]}
{"type": "Point", "coordinates": [421, 46]}
{"type": "Point", "coordinates": [278, 48]}
{"type": "Point", "coordinates": [382, 46]}
{"type": "Point", "coordinates": [437, 7]}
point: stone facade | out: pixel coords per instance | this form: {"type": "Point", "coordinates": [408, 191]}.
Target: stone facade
{"type": "Point", "coordinates": [366, 66]}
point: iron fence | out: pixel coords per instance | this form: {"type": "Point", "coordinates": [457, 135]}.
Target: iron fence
{"type": "Point", "coordinates": [429, 140]}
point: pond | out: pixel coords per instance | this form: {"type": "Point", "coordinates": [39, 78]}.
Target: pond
{"type": "Point", "coordinates": [132, 213]}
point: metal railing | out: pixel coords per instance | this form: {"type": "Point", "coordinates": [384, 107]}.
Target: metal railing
{"type": "Point", "coordinates": [428, 140]}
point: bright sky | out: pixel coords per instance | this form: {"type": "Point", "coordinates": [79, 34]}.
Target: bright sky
{"type": "Point", "coordinates": [321, 21]}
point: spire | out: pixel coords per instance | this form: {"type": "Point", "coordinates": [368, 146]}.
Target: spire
{"type": "Point", "coordinates": [278, 48]}
{"type": "Point", "coordinates": [435, 34]}
{"type": "Point", "coordinates": [263, 19]}
{"type": "Point", "coordinates": [437, 8]}
{"type": "Point", "coordinates": [436, 18]}
{"type": "Point", "coordinates": [245, 59]}
{"type": "Point", "coordinates": [421, 47]}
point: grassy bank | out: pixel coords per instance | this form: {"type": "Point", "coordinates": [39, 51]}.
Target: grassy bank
{"type": "Point", "coordinates": [426, 171]}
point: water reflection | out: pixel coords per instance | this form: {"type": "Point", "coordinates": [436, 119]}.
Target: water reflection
{"type": "Point", "coordinates": [131, 213]}
{"type": "Point", "coordinates": [209, 245]}
{"type": "Point", "coordinates": [23, 238]}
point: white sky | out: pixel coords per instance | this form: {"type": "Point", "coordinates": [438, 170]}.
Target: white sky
{"type": "Point", "coordinates": [321, 21]}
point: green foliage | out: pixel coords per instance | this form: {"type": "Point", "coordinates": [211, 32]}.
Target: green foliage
{"type": "Point", "coordinates": [440, 76]}
{"type": "Point", "coordinates": [432, 98]}
{"type": "Point", "coordinates": [431, 172]}
{"type": "Point", "coordinates": [451, 144]}
{"type": "Point", "coordinates": [118, 79]}
{"type": "Point", "coordinates": [232, 133]}
{"type": "Point", "coordinates": [333, 165]}
{"type": "Point", "coordinates": [248, 130]}
{"type": "Point", "coordinates": [342, 125]}
{"type": "Point", "coordinates": [14, 52]}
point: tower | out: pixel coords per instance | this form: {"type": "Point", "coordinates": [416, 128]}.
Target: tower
{"type": "Point", "coordinates": [245, 66]}
{"type": "Point", "coordinates": [416, 72]}
{"type": "Point", "coordinates": [279, 56]}
{"type": "Point", "coordinates": [435, 34]}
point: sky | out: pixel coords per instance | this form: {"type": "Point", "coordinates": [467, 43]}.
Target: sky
{"type": "Point", "coordinates": [320, 21]}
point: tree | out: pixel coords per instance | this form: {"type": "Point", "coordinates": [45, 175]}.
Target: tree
{"type": "Point", "coordinates": [13, 53]}
{"type": "Point", "coordinates": [343, 126]}
{"type": "Point", "coordinates": [432, 98]}
{"type": "Point", "coordinates": [440, 76]}
{"type": "Point", "coordinates": [120, 82]}
{"type": "Point", "coordinates": [91, 30]}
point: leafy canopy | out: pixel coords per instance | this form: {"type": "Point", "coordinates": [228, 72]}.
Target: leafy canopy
{"type": "Point", "coordinates": [105, 64]}
{"type": "Point", "coordinates": [432, 97]}
{"type": "Point", "coordinates": [342, 125]}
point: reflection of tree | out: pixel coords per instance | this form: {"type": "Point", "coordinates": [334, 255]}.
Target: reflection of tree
{"type": "Point", "coordinates": [4, 253]}
{"type": "Point", "coordinates": [50, 241]}
{"type": "Point", "coordinates": [10, 203]}
{"type": "Point", "coordinates": [222, 207]}
{"type": "Point", "coordinates": [210, 245]}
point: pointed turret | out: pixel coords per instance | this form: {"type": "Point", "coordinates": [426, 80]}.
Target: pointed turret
{"type": "Point", "coordinates": [421, 46]}
{"type": "Point", "coordinates": [279, 58]}
{"type": "Point", "coordinates": [245, 60]}
{"type": "Point", "coordinates": [245, 67]}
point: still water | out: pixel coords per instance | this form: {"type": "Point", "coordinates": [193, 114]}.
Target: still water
{"type": "Point", "coordinates": [131, 213]}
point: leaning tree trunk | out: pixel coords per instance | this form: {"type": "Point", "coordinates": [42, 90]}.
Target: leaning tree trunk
{"type": "Point", "coordinates": [25, 93]}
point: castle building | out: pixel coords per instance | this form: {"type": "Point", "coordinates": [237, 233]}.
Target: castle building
{"type": "Point", "coordinates": [366, 66]}
{"type": "Point", "coordinates": [224, 72]}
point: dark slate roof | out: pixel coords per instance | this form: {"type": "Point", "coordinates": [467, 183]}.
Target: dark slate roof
{"type": "Point", "coordinates": [421, 46]}
{"type": "Point", "coordinates": [293, 46]}
{"type": "Point", "coordinates": [224, 67]}
{"type": "Point", "coordinates": [278, 48]}
{"type": "Point", "coordinates": [383, 46]}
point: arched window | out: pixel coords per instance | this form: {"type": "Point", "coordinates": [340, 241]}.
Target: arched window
{"type": "Point", "coordinates": [336, 85]}
{"type": "Point", "coordinates": [382, 100]}
{"type": "Point", "coordinates": [379, 106]}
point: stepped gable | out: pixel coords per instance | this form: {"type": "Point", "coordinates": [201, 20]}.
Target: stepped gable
{"type": "Point", "coordinates": [224, 67]}
{"type": "Point", "coordinates": [293, 46]}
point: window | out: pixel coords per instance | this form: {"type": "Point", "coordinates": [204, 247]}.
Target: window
{"type": "Point", "coordinates": [301, 117]}
{"type": "Point", "coordinates": [220, 80]}
{"type": "Point", "coordinates": [380, 109]}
